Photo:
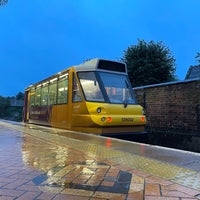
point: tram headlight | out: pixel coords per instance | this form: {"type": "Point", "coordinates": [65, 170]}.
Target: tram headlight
{"type": "Point", "coordinates": [107, 119]}
{"type": "Point", "coordinates": [98, 110]}
{"type": "Point", "coordinates": [103, 119]}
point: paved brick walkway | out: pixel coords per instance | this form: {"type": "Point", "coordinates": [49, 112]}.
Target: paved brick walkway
{"type": "Point", "coordinates": [44, 168]}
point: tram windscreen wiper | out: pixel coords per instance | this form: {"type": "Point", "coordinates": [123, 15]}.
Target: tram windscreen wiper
{"type": "Point", "coordinates": [125, 102]}
{"type": "Point", "coordinates": [126, 94]}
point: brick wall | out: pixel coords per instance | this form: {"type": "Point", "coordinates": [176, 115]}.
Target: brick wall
{"type": "Point", "coordinates": [172, 107]}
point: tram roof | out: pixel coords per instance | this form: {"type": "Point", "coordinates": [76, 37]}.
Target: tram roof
{"type": "Point", "coordinates": [101, 64]}
{"type": "Point", "coordinates": [93, 64]}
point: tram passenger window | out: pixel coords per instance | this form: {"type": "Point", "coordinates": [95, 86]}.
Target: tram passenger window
{"type": "Point", "coordinates": [38, 96]}
{"type": "Point", "coordinates": [90, 86]}
{"type": "Point", "coordinates": [52, 92]}
{"type": "Point", "coordinates": [63, 90]}
{"type": "Point", "coordinates": [76, 91]}
{"type": "Point", "coordinates": [32, 97]}
{"type": "Point", "coordinates": [45, 91]}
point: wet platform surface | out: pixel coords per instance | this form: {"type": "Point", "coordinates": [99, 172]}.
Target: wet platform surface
{"type": "Point", "coordinates": [42, 163]}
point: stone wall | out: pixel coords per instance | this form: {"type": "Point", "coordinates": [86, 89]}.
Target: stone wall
{"type": "Point", "coordinates": [172, 107]}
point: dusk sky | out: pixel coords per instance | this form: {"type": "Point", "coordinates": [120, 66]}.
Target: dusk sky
{"type": "Point", "coordinates": [39, 38]}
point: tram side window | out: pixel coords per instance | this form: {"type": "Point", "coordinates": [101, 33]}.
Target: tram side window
{"type": "Point", "coordinates": [32, 97]}
{"type": "Point", "coordinates": [63, 90]}
{"type": "Point", "coordinates": [45, 91]}
{"type": "Point", "coordinates": [52, 92]}
{"type": "Point", "coordinates": [38, 96]}
{"type": "Point", "coordinates": [76, 91]}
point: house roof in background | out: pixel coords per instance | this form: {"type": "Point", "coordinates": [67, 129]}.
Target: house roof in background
{"type": "Point", "coordinates": [193, 72]}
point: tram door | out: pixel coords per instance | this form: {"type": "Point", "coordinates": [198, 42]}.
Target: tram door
{"type": "Point", "coordinates": [26, 106]}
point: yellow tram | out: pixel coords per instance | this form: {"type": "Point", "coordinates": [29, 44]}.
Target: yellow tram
{"type": "Point", "coordinates": [93, 97]}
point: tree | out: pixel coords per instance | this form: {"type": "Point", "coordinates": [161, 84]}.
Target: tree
{"type": "Point", "coordinates": [20, 96]}
{"type": "Point", "coordinates": [2, 2]}
{"type": "Point", "coordinates": [4, 105]}
{"type": "Point", "coordinates": [198, 57]}
{"type": "Point", "coordinates": [9, 111]}
{"type": "Point", "coordinates": [149, 63]}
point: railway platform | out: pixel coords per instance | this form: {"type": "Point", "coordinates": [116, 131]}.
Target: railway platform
{"type": "Point", "coordinates": [43, 163]}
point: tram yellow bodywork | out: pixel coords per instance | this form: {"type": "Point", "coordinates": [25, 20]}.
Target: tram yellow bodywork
{"type": "Point", "coordinates": [83, 98]}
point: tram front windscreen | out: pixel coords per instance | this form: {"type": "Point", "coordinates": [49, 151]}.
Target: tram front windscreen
{"type": "Point", "coordinates": [104, 86]}
{"type": "Point", "coordinates": [117, 87]}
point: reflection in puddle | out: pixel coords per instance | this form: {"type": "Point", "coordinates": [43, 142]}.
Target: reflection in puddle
{"type": "Point", "coordinates": [64, 167]}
